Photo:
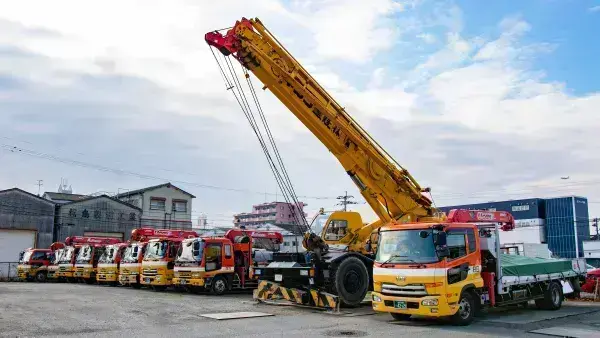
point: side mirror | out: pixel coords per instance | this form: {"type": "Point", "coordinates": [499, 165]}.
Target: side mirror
{"type": "Point", "coordinates": [441, 246]}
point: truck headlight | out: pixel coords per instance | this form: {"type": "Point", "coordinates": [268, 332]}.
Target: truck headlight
{"type": "Point", "coordinates": [303, 272]}
{"type": "Point", "coordinates": [429, 302]}
{"type": "Point", "coordinates": [376, 298]}
{"type": "Point", "coordinates": [257, 272]}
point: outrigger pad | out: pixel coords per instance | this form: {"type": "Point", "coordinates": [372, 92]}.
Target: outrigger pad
{"type": "Point", "coordinates": [324, 299]}
{"type": "Point", "coordinates": [273, 291]}
{"type": "Point", "coordinates": [267, 291]}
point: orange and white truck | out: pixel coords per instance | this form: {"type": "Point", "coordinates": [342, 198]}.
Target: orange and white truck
{"type": "Point", "coordinates": [159, 259]}
{"type": "Point", "coordinates": [130, 268]}
{"type": "Point", "coordinates": [53, 266]}
{"type": "Point", "coordinates": [109, 264]}
{"type": "Point", "coordinates": [456, 267]}
{"type": "Point", "coordinates": [219, 264]}
{"type": "Point", "coordinates": [33, 263]}
{"type": "Point", "coordinates": [86, 262]}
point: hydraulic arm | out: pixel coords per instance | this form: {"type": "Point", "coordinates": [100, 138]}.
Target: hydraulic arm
{"type": "Point", "coordinates": [388, 188]}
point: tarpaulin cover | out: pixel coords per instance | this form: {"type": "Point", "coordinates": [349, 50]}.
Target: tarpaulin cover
{"type": "Point", "coordinates": [515, 265]}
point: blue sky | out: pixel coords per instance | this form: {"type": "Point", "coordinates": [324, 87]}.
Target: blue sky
{"type": "Point", "coordinates": [480, 100]}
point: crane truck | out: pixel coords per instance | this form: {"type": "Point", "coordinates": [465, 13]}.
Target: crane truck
{"type": "Point", "coordinates": [456, 268]}
{"type": "Point", "coordinates": [34, 263]}
{"type": "Point", "coordinates": [86, 262]}
{"type": "Point", "coordinates": [338, 269]}
{"type": "Point", "coordinates": [219, 264]}
{"type": "Point", "coordinates": [109, 263]}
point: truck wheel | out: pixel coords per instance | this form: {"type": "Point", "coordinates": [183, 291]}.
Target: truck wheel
{"type": "Point", "coordinates": [400, 316]}
{"type": "Point", "coordinates": [466, 310]}
{"type": "Point", "coordinates": [218, 285]}
{"type": "Point", "coordinates": [351, 281]}
{"type": "Point", "coordinates": [553, 297]}
{"type": "Point", "coordinates": [40, 276]}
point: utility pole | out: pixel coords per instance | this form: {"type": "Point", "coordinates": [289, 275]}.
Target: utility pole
{"type": "Point", "coordinates": [39, 184]}
{"type": "Point", "coordinates": [345, 200]}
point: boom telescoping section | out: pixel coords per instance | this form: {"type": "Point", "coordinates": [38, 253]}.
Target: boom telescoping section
{"type": "Point", "coordinates": [339, 244]}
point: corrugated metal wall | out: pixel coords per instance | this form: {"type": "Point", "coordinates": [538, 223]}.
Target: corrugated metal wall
{"type": "Point", "coordinates": [560, 225]}
{"type": "Point", "coordinates": [22, 211]}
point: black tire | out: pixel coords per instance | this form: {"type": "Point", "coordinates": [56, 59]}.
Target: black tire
{"type": "Point", "coordinates": [400, 316]}
{"type": "Point", "coordinates": [218, 285]}
{"type": "Point", "coordinates": [90, 280]}
{"type": "Point", "coordinates": [553, 297]}
{"type": "Point", "coordinates": [351, 281]}
{"type": "Point", "coordinates": [41, 276]}
{"type": "Point", "coordinates": [159, 287]}
{"type": "Point", "coordinates": [136, 285]}
{"type": "Point", "coordinates": [466, 310]}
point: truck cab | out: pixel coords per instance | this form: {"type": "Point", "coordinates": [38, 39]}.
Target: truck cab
{"type": "Point", "coordinates": [130, 268]}
{"type": "Point", "coordinates": [53, 266]}
{"type": "Point", "coordinates": [86, 262]}
{"type": "Point", "coordinates": [108, 264]}
{"type": "Point", "coordinates": [159, 262]}
{"type": "Point", "coordinates": [66, 263]}
{"type": "Point", "coordinates": [33, 264]}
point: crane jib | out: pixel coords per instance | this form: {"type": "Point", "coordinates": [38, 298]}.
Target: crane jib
{"type": "Point", "coordinates": [388, 188]}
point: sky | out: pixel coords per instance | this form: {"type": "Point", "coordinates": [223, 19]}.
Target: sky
{"type": "Point", "coordinates": [481, 101]}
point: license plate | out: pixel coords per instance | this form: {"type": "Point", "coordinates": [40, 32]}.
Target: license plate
{"type": "Point", "coordinates": [399, 304]}
{"type": "Point", "coordinates": [278, 278]}
{"type": "Point", "coordinates": [146, 280]}
{"type": "Point", "coordinates": [183, 281]}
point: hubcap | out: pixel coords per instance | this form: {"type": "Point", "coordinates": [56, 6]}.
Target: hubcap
{"type": "Point", "coordinates": [352, 282]}
{"type": "Point", "coordinates": [555, 296]}
{"type": "Point", "coordinates": [220, 286]}
{"type": "Point", "coordinates": [464, 308]}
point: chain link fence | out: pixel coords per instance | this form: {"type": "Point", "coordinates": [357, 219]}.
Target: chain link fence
{"type": "Point", "coordinates": [8, 271]}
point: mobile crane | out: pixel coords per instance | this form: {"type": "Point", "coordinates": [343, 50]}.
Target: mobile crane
{"type": "Point", "coordinates": [341, 266]}
{"type": "Point", "coordinates": [34, 263]}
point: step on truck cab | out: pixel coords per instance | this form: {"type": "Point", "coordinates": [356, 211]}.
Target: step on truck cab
{"type": "Point", "coordinates": [33, 263]}
{"type": "Point", "coordinates": [455, 268]}
{"type": "Point", "coordinates": [219, 264]}
{"type": "Point", "coordinates": [109, 264]}
{"type": "Point", "coordinates": [159, 259]}
{"type": "Point", "coordinates": [86, 262]}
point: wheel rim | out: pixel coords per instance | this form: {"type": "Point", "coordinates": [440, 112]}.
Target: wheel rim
{"type": "Point", "coordinates": [464, 308]}
{"type": "Point", "coordinates": [220, 286]}
{"type": "Point", "coordinates": [555, 296]}
{"type": "Point", "coordinates": [352, 282]}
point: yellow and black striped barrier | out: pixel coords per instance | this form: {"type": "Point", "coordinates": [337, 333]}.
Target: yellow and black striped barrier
{"type": "Point", "coordinates": [269, 291]}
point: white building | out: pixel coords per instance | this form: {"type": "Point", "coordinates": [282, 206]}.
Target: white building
{"type": "Point", "coordinates": [163, 206]}
{"type": "Point", "coordinates": [591, 252]}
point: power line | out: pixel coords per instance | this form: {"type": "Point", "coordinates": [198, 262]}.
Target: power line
{"type": "Point", "coordinates": [345, 200]}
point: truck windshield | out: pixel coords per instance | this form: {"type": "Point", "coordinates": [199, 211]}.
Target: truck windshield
{"type": "Point", "coordinates": [85, 254]}
{"type": "Point", "coordinates": [318, 223]}
{"type": "Point", "coordinates": [109, 255]}
{"type": "Point", "coordinates": [67, 255]}
{"type": "Point", "coordinates": [156, 250]}
{"type": "Point", "coordinates": [57, 256]}
{"type": "Point", "coordinates": [190, 251]}
{"type": "Point", "coordinates": [406, 246]}
{"type": "Point", "coordinates": [132, 253]}
{"type": "Point", "coordinates": [25, 257]}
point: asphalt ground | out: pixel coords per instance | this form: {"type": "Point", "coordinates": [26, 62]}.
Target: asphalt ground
{"type": "Point", "coordinates": [58, 310]}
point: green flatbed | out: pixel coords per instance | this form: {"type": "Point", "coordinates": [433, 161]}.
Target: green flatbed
{"type": "Point", "coordinates": [515, 265]}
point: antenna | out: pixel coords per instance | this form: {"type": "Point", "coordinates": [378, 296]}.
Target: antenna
{"type": "Point", "coordinates": [40, 183]}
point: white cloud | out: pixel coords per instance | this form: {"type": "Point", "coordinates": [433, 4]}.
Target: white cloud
{"type": "Point", "coordinates": [134, 82]}
{"type": "Point", "coordinates": [594, 9]}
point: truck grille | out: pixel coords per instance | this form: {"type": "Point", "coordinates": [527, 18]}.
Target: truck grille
{"type": "Point", "coordinates": [150, 272]}
{"type": "Point", "coordinates": [410, 290]}
{"type": "Point", "coordinates": [185, 274]}
{"type": "Point", "coordinates": [64, 269]}
{"type": "Point", "coordinates": [79, 269]}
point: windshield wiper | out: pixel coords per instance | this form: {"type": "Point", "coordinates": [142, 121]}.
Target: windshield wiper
{"type": "Point", "coordinates": [392, 257]}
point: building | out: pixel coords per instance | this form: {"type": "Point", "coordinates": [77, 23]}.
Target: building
{"type": "Point", "coordinates": [163, 206]}
{"type": "Point", "coordinates": [591, 252]}
{"type": "Point", "coordinates": [26, 221]}
{"type": "Point", "coordinates": [537, 220]}
{"type": "Point", "coordinates": [59, 198]}
{"type": "Point", "coordinates": [99, 216]}
{"type": "Point", "coordinates": [276, 213]}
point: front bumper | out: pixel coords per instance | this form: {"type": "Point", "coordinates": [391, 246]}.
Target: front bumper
{"type": "Point", "coordinates": [188, 281]}
{"type": "Point", "coordinates": [107, 277]}
{"type": "Point", "coordinates": [52, 274]}
{"type": "Point", "coordinates": [131, 278]}
{"type": "Point", "coordinates": [159, 280]}
{"type": "Point", "coordinates": [85, 273]}
{"type": "Point", "coordinates": [412, 306]}
{"type": "Point", "coordinates": [23, 273]}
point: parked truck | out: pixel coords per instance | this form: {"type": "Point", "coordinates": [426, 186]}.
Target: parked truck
{"type": "Point", "coordinates": [33, 263]}
{"type": "Point", "coordinates": [456, 268]}
{"type": "Point", "coordinates": [53, 266]}
{"type": "Point", "coordinates": [219, 264]}
{"type": "Point", "coordinates": [90, 251]}
{"type": "Point", "coordinates": [159, 259]}
{"type": "Point", "coordinates": [109, 264]}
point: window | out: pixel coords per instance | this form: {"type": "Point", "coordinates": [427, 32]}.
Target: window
{"type": "Point", "coordinates": [227, 251]}
{"type": "Point", "coordinates": [213, 257]}
{"type": "Point", "coordinates": [157, 203]}
{"type": "Point", "coordinates": [456, 244]}
{"type": "Point", "coordinates": [38, 255]}
{"type": "Point", "coordinates": [336, 230]}
{"type": "Point", "coordinates": [179, 206]}
{"type": "Point", "coordinates": [471, 239]}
